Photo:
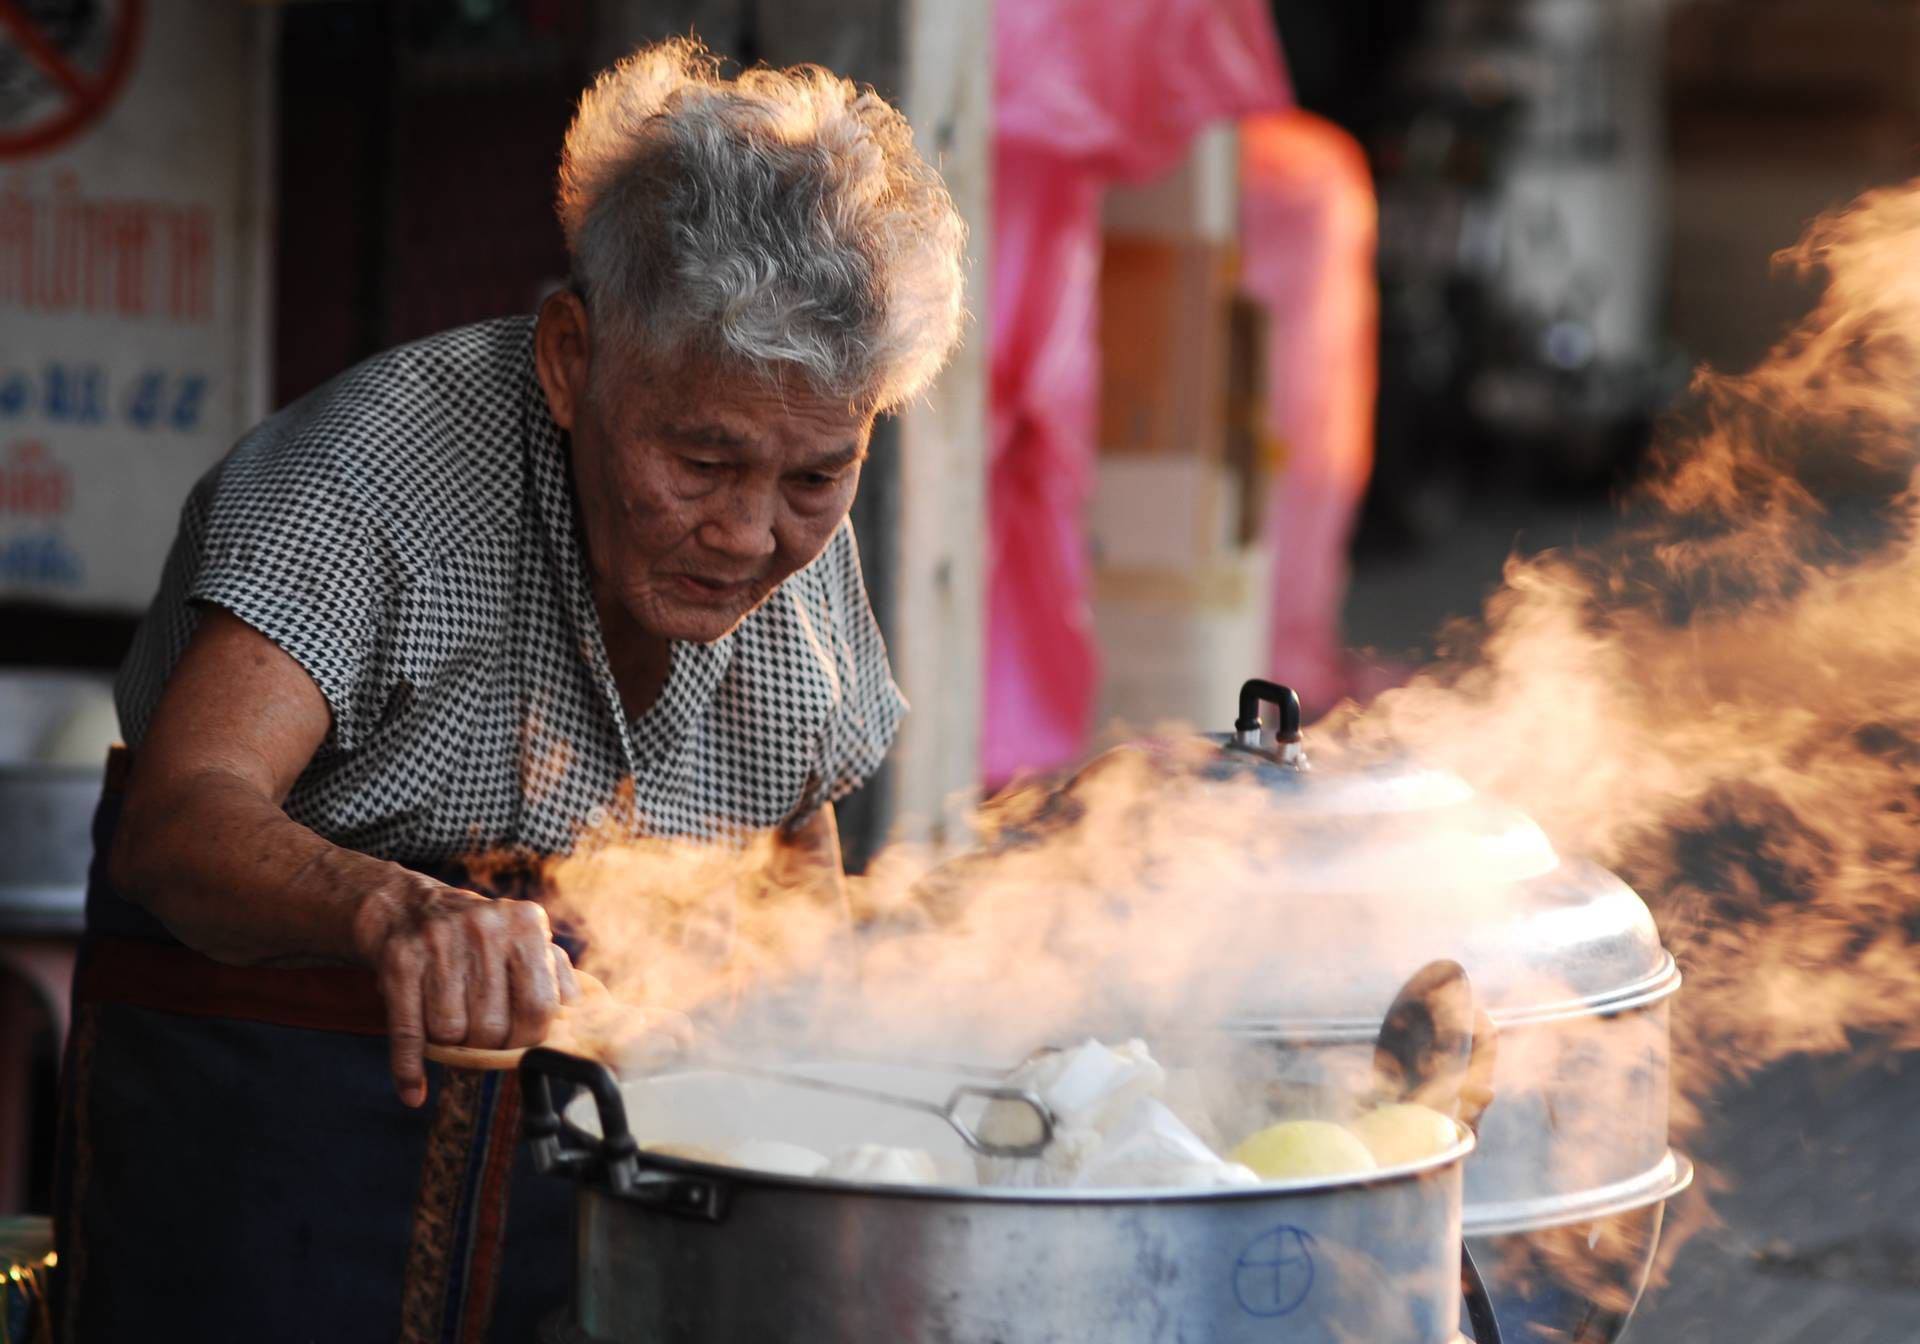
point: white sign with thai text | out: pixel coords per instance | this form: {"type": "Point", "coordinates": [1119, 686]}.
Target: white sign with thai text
{"type": "Point", "coordinates": [132, 304]}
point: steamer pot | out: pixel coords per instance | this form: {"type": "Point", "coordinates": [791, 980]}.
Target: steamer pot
{"type": "Point", "coordinates": [1563, 955]}
{"type": "Point", "coordinates": [679, 1252]}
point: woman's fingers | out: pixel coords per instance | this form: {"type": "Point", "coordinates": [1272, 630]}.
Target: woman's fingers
{"type": "Point", "coordinates": [446, 980]}
{"type": "Point", "coordinates": [400, 986]}
{"type": "Point", "coordinates": [491, 1013]}
{"type": "Point", "coordinates": [535, 984]}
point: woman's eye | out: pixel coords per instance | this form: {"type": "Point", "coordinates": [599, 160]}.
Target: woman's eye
{"type": "Point", "coordinates": [704, 466]}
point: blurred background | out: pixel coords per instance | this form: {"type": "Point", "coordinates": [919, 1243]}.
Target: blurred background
{"type": "Point", "coordinates": [1292, 322]}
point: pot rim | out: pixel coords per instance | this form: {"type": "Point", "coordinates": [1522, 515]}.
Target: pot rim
{"type": "Point", "coordinates": [1450, 1158]}
{"type": "Point", "coordinates": [1668, 1177]}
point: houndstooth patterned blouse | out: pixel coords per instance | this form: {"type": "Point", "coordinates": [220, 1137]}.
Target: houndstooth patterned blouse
{"type": "Point", "coordinates": [406, 533]}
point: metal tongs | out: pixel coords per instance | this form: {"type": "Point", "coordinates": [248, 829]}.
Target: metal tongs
{"type": "Point", "coordinates": [1043, 1122]}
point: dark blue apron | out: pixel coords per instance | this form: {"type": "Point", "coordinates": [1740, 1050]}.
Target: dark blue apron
{"type": "Point", "coordinates": [234, 1163]}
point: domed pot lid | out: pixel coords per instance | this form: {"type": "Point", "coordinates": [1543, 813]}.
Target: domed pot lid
{"type": "Point", "coordinates": [1303, 893]}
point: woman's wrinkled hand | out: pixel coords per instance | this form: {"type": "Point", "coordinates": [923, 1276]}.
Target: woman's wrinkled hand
{"type": "Point", "coordinates": [458, 969]}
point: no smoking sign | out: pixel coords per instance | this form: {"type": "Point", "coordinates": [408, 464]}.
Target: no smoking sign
{"type": "Point", "coordinates": [62, 63]}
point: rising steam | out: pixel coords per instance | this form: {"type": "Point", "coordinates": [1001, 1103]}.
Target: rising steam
{"type": "Point", "coordinates": [1722, 705]}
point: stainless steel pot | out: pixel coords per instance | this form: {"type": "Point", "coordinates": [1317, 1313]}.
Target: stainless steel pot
{"type": "Point", "coordinates": [1564, 956]}
{"type": "Point", "coordinates": [671, 1251]}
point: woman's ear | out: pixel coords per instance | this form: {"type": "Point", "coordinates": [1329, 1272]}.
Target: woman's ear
{"type": "Point", "coordinates": [562, 354]}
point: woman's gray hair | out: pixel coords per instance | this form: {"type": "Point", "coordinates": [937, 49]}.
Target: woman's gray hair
{"type": "Point", "coordinates": [782, 217]}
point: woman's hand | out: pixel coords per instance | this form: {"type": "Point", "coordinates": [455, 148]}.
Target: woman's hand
{"type": "Point", "coordinates": [458, 969]}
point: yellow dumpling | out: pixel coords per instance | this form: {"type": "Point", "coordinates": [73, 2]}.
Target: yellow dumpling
{"type": "Point", "coordinates": [1294, 1149]}
{"type": "Point", "coordinates": [1405, 1132]}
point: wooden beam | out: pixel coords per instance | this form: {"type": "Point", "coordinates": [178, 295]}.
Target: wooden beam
{"type": "Point", "coordinates": [939, 636]}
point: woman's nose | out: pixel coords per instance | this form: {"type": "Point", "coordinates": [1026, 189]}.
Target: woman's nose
{"type": "Point", "coordinates": [741, 526]}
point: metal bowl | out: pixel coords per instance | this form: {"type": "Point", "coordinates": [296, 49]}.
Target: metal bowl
{"type": "Point", "coordinates": [46, 807]}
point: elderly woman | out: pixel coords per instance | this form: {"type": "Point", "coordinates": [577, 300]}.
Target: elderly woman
{"type": "Point", "coordinates": [484, 593]}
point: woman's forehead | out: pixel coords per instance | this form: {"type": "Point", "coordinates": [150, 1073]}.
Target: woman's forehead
{"type": "Point", "coordinates": [703, 406]}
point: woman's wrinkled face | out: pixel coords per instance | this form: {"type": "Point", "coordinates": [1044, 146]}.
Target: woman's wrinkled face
{"type": "Point", "coordinates": [701, 491]}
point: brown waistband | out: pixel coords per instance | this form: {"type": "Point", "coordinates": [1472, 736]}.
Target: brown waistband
{"type": "Point", "coordinates": [171, 979]}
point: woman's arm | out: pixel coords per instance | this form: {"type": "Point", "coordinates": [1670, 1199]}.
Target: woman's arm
{"type": "Point", "coordinates": [204, 844]}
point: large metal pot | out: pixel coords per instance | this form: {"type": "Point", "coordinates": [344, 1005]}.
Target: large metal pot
{"type": "Point", "coordinates": [1564, 1193]}
{"type": "Point", "coordinates": [672, 1252]}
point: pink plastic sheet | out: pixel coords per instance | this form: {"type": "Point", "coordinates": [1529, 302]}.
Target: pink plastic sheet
{"type": "Point", "coordinates": [1308, 224]}
{"type": "Point", "coordinates": [1086, 93]}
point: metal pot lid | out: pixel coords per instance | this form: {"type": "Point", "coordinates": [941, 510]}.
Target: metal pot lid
{"type": "Point", "coordinates": [1576, 941]}
{"type": "Point", "coordinates": [1359, 870]}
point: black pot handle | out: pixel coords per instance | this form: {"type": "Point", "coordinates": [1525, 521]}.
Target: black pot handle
{"type": "Point", "coordinates": [1480, 1314]}
{"type": "Point", "coordinates": [559, 1150]}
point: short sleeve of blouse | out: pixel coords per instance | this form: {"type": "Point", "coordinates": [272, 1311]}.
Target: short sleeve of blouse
{"type": "Point", "coordinates": [868, 710]}
{"type": "Point", "coordinates": [292, 547]}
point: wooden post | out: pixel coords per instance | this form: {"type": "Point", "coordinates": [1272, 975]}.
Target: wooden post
{"type": "Point", "coordinates": [939, 631]}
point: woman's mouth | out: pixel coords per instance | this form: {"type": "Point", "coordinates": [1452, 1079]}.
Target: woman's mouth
{"type": "Point", "coordinates": [711, 591]}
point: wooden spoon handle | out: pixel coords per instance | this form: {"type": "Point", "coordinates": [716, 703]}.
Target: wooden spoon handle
{"type": "Point", "coordinates": [480, 1057]}
{"type": "Point", "coordinates": [474, 1056]}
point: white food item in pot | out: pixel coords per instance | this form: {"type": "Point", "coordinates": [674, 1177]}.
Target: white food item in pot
{"type": "Point", "coordinates": [1149, 1145]}
{"type": "Point", "coordinates": [1084, 1087]}
{"type": "Point", "coordinates": [1210, 1175]}
{"type": "Point", "coordinates": [1195, 1096]}
{"type": "Point", "coordinates": [1110, 1130]}
{"type": "Point", "coordinates": [879, 1164]}
{"type": "Point", "coordinates": [774, 1156]}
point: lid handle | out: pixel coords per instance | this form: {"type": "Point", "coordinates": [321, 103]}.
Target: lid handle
{"type": "Point", "coordinates": [1286, 734]}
